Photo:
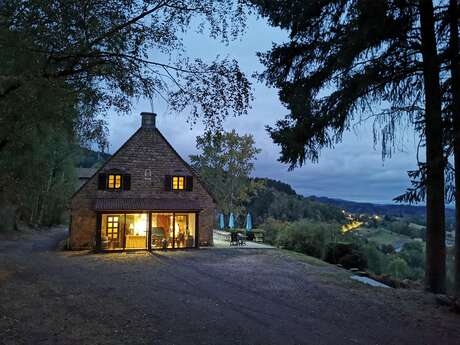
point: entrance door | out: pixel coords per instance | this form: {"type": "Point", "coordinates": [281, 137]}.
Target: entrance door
{"type": "Point", "coordinates": [112, 231]}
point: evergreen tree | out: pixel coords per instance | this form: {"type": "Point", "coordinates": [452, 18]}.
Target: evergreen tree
{"type": "Point", "coordinates": [348, 61]}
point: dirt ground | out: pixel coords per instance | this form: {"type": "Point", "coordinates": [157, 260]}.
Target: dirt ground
{"type": "Point", "coordinates": [205, 296]}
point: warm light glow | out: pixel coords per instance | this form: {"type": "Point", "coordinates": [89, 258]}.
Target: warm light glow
{"type": "Point", "coordinates": [351, 226]}
{"type": "Point", "coordinates": [114, 181]}
{"type": "Point", "coordinates": [178, 182]}
{"type": "Point", "coordinates": [140, 224]}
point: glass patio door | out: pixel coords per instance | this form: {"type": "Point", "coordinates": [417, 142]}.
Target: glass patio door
{"type": "Point", "coordinates": [173, 230]}
{"type": "Point", "coordinates": [136, 231]}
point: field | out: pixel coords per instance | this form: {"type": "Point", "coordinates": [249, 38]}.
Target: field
{"type": "Point", "coordinates": [382, 236]}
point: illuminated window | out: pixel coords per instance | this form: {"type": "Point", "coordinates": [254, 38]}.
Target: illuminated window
{"type": "Point", "coordinates": [112, 228]}
{"type": "Point", "coordinates": [114, 181]}
{"type": "Point", "coordinates": [178, 182]}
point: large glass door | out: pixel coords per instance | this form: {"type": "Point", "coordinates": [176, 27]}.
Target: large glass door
{"type": "Point", "coordinates": [173, 230]}
{"type": "Point", "coordinates": [162, 230]}
{"type": "Point", "coordinates": [124, 231]}
{"type": "Point", "coordinates": [136, 231]}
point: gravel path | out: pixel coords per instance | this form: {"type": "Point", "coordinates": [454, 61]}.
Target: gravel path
{"type": "Point", "coordinates": [206, 296]}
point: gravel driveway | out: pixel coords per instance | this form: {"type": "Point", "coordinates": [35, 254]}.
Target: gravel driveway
{"type": "Point", "coordinates": [206, 296]}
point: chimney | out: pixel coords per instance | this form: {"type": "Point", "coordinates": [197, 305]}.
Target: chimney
{"type": "Point", "coordinates": [148, 120]}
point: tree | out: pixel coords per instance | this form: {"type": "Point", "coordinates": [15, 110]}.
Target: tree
{"type": "Point", "coordinates": [454, 59]}
{"type": "Point", "coordinates": [398, 268]}
{"type": "Point", "coordinates": [104, 51]}
{"type": "Point", "coordinates": [63, 65]}
{"type": "Point", "coordinates": [225, 163]}
{"type": "Point", "coordinates": [350, 61]}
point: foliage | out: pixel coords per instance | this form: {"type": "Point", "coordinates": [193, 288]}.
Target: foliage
{"type": "Point", "coordinates": [364, 57]}
{"type": "Point", "coordinates": [225, 162]}
{"type": "Point", "coordinates": [307, 236]}
{"type": "Point", "coordinates": [275, 200]}
{"type": "Point", "coordinates": [398, 268]}
{"type": "Point", "coordinates": [63, 65]}
{"type": "Point", "coordinates": [375, 258]}
{"type": "Point", "coordinates": [37, 169]}
{"type": "Point", "coordinates": [276, 185]}
{"type": "Point", "coordinates": [104, 51]}
{"type": "Point", "coordinates": [346, 254]}
{"type": "Point", "coordinates": [348, 61]}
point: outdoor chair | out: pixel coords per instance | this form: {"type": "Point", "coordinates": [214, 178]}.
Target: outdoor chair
{"type": "Point", "coordinates": [233, 239]}
{"type": "Point", "coordinates": [241, 240]}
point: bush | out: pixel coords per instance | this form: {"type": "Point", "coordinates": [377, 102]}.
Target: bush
{"type": "Point", "coordinates": [387, 249]}
{"type": "Point", "coordinates": [354, 260]}
{"type": "Point", "coordinates": [307, 237]}
{"type": "Point", "coordinates": [375, 258]}
{"type": "Point", "coordinates": [398, 268]}
{"type": "Point", "coordinates": [272, 228]}
{"type": "Point", "coordinates": [335, 251]}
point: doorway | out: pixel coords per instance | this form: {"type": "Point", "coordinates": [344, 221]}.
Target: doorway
{"type": "Point", "coordinates": [173, 230]}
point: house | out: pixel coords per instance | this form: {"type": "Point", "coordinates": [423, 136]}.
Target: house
{"type": "Point", "coordinates": [145, 196]}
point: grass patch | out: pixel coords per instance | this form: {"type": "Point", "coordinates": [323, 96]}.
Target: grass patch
{"type": "Point", "coordinates": [382, 236]}
{"type": "Point", "coordinates": [305, 258]}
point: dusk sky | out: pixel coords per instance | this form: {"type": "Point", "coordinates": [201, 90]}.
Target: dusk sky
{"type": "Point", "coordinates": [353, 170]}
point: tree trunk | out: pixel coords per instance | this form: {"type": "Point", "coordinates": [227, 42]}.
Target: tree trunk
{"type": "Point", "coordinates": [435, 276]}
{"type": "Point", "coordinates": [455, 74]}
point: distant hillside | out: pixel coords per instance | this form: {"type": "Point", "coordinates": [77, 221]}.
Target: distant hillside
{"type": "Point", "coordinates": [278, 200]}
{"type": "Point", "coordinates": [91, 159]}
{"type": "Point", "coordinates": [277, 185]}
{"type": "Point", "coordinates": [369, 208]}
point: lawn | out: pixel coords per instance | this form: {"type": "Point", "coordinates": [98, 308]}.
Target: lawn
{"type": "Point", "coordinates": [382, 236]}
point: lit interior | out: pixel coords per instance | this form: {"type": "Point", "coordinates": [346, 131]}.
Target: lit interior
{"type": "Point", "coordinates": [130, 231]}
{"type": "Point", "coordinates": [114, 181]}
{"type": "Point", "coordinates": [178, 182]}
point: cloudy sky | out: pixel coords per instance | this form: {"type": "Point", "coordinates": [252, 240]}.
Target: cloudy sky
{"type": "Point", "coordinates": [353, 170]}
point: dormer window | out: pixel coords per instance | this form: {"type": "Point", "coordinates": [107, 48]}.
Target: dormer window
{"type": "Point", "coordinates": [113, 181]}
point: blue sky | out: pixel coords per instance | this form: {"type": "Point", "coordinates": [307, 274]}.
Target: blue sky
{"type": "Point", "coordinates": [353, 170]}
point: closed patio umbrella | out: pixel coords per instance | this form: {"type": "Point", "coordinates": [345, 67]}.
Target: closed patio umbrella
{"type": "Point", "coordinates": [231, 221]}
{"type": "Point", "coordinates": [221, 221]}
{"type": "Point", "coordinates": [248, 222]}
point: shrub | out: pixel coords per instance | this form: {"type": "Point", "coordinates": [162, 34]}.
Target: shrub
{"type": "Point", "coordinates": [387, 249]}
{"type": "Point", "coordinates": [272, 228]}
{"type": "Point", "coordinates": [375, 258]}
{"type": "Point", "coordinates": [398, 268]}
{"type": "Point", "coordinates": [307, 237]}
{"type": "Point", "coordinates": [335, 251]}
{"type": "Point", "coordinates": [354, 260]}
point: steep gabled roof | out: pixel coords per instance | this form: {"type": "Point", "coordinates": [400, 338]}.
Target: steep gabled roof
{"type": "Point", "coordinates": [192, 170]}
{"type": "Point", "coordinates": [105, 163]}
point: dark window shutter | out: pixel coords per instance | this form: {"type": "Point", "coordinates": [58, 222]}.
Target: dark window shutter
{"type": "Point", "coordinates": [189, 183]}
{"type": "Point", "coordinates": [102, 182]}
{"type": "Point", "coordinates": [168, 182]}
{"type": "Point", "coordinates": [126, 182]}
